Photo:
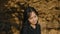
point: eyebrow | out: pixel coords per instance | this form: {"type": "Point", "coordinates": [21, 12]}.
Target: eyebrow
{"type": "Point", "coordinates": [34, 15]}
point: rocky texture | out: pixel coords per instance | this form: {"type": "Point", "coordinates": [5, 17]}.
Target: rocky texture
{"type": "Point", "coordinates": [49, 14]}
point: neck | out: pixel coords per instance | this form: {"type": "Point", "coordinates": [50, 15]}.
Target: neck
{"type": "Point", "coordinates": [33, 26]}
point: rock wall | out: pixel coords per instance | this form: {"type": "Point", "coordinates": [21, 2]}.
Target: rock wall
{"type": "Point", "coordinates": [49, 14]}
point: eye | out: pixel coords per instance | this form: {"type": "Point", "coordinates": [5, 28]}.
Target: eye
{"type": "Point", "coordinates": [31, 18]}
{"type": "Point", "coordinates": [35, 16]}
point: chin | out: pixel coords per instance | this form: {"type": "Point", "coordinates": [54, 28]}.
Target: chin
{"type": "Point", "coordinates": [34, 23]}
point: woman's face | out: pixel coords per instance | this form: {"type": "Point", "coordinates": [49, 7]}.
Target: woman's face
{"type": "Point", "coordinates": [33, 18]}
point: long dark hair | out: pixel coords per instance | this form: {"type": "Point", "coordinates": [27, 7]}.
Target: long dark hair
{"type": "Point", "coordinates": [26, 15]}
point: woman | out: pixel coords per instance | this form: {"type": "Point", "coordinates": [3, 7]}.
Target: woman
{"type": "Point", "coordinates": [30, 22]}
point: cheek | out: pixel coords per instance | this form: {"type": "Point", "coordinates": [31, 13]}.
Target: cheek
{"type": "Point", "coordinates": [36, 18]}
{"type": "Point", "coordinates": [33, 20]}
{"type": "Point", "coordinates": [30, 20]}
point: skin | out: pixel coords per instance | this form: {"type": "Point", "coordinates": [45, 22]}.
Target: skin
{"type": "Point", "coordinates": [33, 19]}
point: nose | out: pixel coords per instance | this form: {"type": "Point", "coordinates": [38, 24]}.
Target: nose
{"type": "Point", "coordinates": [34, 19]}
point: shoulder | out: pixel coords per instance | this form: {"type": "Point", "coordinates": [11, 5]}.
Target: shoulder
{"type": "Point", "coordinates": [38, 25]}
{"type": "Point", "coordinates": [24, 28]}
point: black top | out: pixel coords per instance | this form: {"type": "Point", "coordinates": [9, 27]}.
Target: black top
{"type": "Point", "coordinates": [29, 30]}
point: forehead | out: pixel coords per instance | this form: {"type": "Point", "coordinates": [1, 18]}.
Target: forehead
{"type": "Point", "coordinates": [32, 14]}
